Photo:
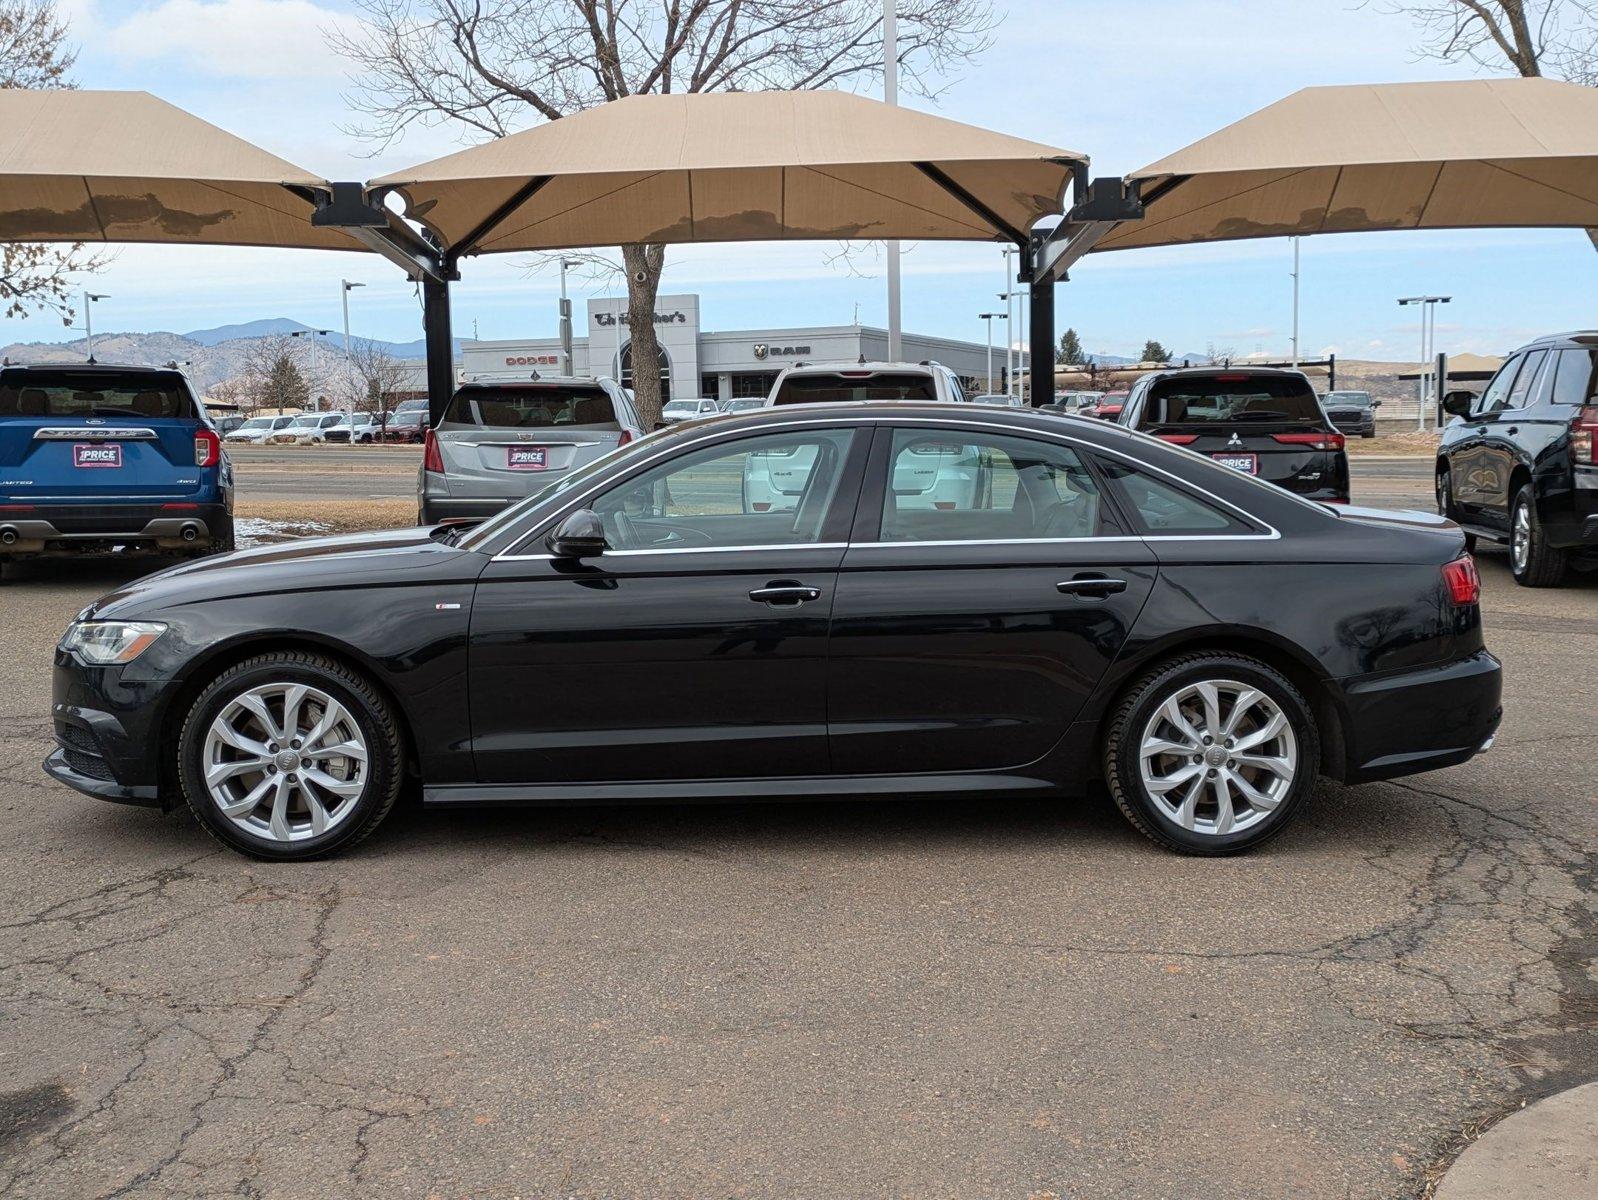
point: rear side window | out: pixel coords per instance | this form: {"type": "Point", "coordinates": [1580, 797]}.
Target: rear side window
{"type": "Point", "coordinates": [1189, 400]}
{"type": "Point", "coordinates": [1577, 381]}
{"type": "Point", "coordinates": [149, 394]}
{"type": "Point", "coordinates": [533, 408]}
{"type": "Point", "coordinates": [1520, 395]}
{"type": "Point", "coordinates": [846, 386]}
{"type": "Point", "coordinates": [1161, 508]}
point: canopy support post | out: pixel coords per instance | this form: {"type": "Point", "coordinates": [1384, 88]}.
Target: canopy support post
{"type": "Point", "coordinates": [1040, 336]}
{"type": "Point", "coordinates": [440, 347]}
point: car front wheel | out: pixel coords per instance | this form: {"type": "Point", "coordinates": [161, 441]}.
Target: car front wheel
{"type": "Point", "coordinates": [290, 755]}
{"type": "Point", "coordinates": [1532, 560]}
{"type": "Point", "coordinates": [1211, 753]}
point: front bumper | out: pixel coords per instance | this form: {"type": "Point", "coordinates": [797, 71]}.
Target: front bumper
{"type": "Point", "coordinates": [107, 732]}
{"type": "Point", "coordinates": [1420, 720]}
{"type": "Point", "coordinates": [79, 528]}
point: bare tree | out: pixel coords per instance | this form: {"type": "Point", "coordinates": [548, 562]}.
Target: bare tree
{"type": "Point", "coordinates": [36, 277]}
{"type": "Point", "coordinates": [489, 68]}
{"type": "Point", "coordinates": [1534, 37]}
{"type": "Point", "coordinates": [376, 376]}
{"type": "Point", "coordinates": [272, 375]}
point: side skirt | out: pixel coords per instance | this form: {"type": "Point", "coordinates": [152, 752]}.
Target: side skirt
{"type": "Point", "coordinates": [741, 791]}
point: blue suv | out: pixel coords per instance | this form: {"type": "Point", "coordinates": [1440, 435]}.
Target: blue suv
{"type": "Point", "coordinates": [96, 458]}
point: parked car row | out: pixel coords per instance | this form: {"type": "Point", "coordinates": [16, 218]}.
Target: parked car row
{"type": "Point", "coordinates": [313, 428]}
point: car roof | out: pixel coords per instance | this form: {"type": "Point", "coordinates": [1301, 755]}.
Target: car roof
{"type": "Point", "coordinates": [832, 367]}
{"type": "Point", "coordinates": [870, 411]}
{"type": "Point", "coordinates": [1578, 337]}
{"type": "Point", "coordinates": [543, 381]}
{"type": "Point", "coordinates": [94, 368]}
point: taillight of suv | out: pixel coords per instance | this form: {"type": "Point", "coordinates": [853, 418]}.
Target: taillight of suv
{"type": "Point", "coordinates": [1584, 437]}
{"type": "Point", "coordinates": [207, 448]}
{"type": "Point", "coordinates": [432, 457]}
{"type": "Point", "coordinates": [1463, 581]}
{"type": "Point", "coordinates": [1315, 441]}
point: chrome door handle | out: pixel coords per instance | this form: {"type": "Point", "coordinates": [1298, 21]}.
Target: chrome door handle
{"type": "Point", "coordinates": [784, 592]}
{"type": "Point", "coordinates": [1093, 585]}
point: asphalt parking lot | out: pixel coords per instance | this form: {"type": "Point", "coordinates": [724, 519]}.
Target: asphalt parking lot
{"type": "Point", "coordinates": [854, 1000]}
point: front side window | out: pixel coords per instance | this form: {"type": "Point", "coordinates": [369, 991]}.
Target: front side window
{"type": "Point", "coordinates": [773, 490]}
{"type": "Point", "coordinates": [946, 485]}
{"type": "Point", "coordinates": [1497, 392]}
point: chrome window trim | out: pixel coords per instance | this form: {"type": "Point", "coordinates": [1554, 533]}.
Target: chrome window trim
{"type": "Point", "coordinates": [687, 550]}
{"type": "Point", "coordinates": [875, 419]}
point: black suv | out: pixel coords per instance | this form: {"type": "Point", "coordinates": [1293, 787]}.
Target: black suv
{"type": "Point", "coordinates": [1259, 421]}
{"type": "Point", "coordinates": [1519, 464]}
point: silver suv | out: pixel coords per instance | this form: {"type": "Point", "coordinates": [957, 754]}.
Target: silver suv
{"type": "Point", "coordinates": [499, 442]}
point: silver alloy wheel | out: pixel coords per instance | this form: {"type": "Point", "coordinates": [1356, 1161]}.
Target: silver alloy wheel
{"type": "Point", "coordinates": [1217, 757]}
{"type": "Point", "coordinates": [285, 761]}
{"type": "Point", "coordinates": [1520, 538]}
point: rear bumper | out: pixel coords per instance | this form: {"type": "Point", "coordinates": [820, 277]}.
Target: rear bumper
{"type": "Point", "coordinates": [447, 508]}
{"type": "Point", "coordinates": [1420, 720]}
{"type": "Point", "coordinates": [81, 528]}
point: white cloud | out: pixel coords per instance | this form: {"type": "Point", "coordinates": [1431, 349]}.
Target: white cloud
{"type": "Point", "coordinates": [253, 39]}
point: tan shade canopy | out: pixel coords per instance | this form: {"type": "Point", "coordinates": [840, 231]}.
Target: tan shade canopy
{"type": "Point", "coordinates": [734, 167]}
{"type": "Point", "coordinates": [1473, 154]}
{"type": "Point", "coordinates": [128, 167]}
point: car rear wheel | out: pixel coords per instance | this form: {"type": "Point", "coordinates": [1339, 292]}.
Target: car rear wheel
{"type": "Point", "coordinates": [1211, 753]}
{"type": "Point", "coordinates": [290, 755]}
{"type": "Point", "coordinates": [1532, 560]}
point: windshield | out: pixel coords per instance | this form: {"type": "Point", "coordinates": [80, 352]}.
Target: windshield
{"type": "Point", "coordinates": [683, 407]}
{"type": "Point", "coordinates": [1229, 399]}
{"type": "Point", "coordinates": [845, 386]}
{"type": "Point", "coordinates": [256, 423]}
{"type": "Point", "coordinates": [307, 422]}
{"type": "Point", "coordinates": [1348, 399]}
{"type": "Point", "coordinates": [68, 393]}
{"type": "Point", "coordinates": [533, 407]}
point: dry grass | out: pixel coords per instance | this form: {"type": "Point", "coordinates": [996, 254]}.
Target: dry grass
{"type": "Point", "coordinates": [1414, 443]}
{"type": "Point", "coordinates": [345, 516]}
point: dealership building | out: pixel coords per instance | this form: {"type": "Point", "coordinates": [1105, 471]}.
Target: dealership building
{"type": "Point", "coordinates": [724, 364]}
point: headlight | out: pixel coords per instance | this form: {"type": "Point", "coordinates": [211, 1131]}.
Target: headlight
{"type": "Point", "coordinates": [109, 643]}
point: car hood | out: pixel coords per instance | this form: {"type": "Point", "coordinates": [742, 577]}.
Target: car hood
{"type": "Point", "coordinates": [356, 560]}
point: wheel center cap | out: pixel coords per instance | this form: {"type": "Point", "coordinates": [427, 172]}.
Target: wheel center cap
{"type": "Point", "coordinates": [1216, 755]}
{"type": "Point", "coordinates": [287, 760]}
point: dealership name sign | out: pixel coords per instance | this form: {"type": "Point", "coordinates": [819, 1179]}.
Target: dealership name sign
{"type": "Point", "coordinates": [670, 318]}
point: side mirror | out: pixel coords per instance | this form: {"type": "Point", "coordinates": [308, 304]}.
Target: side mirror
{"type": "Point", "coordinates": [1458, 403]}
{"type": "Point", "coordinates": [1376, 403]}
{"type": "Point", "coordinates": [580, 535]}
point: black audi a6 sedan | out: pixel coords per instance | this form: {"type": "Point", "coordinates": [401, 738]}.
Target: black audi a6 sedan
{"type": "Point", "coordinates": [992, 604]}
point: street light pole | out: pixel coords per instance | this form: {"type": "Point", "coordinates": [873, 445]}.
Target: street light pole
{"type": "Point", "coordinates": [1428, 327]}
{"type": "Point", "coordinates": [346, 297]}
{"type": "Point", "coordinates": [1008, 296]}
{"type": "Point", "coordinates": [88, 317]}
{"type": "Point", "coordinates": [1295, 304]}
{"type": "Point", "coordinates": [565, 319]}
{"type": "Point", "coordinates": [989, 317]}
{"type": "Point", "coordinates": [890, 94]}
{"type": "Point", "coordinates": [316, 373]}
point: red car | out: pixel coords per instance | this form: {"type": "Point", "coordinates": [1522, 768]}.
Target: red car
{"type": "Point", "coordinates": [408, 426]}
{"type": "Point", "coordinates": [1109, 408]}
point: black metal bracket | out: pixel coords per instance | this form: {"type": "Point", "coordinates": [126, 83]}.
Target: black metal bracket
{"type": "Point", "coordinates": [469, 243]}
{"type": "Point", "coordinates": [997, 223]}
{"type": "Point", "coordinates": [347, 207]}
{"type": "Point", "coordinates": [1107, 198]}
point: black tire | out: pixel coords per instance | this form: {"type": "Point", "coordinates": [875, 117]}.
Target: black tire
{"type": "Point", "coordinates": [377, 724]}
{"type": "Point", "coordinates": [1368, 433]}
{"type": "Point", "coordinates": [1541, 565]}
{"type": "Point", "coordinates": [1138, 707]}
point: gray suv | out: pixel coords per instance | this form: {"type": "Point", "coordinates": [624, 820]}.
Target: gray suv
{"type": "Point", "coordinates": [499, 442]}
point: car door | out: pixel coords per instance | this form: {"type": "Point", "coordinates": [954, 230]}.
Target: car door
{"type": "Point", "coordinates": [1501, 445]}
{"type": "Point", "coordinates": [968, 635]}
{"type": "Point", "coordinates": [693, 648]}
{"type": "Point", "coordinates": [1470, 467]}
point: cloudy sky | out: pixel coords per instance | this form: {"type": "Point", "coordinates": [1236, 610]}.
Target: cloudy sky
{"type": "Point", "coordinates": [1126, 83]}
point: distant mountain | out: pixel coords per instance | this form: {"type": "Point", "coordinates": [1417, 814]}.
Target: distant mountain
{"type": "Point", "coordinates": [267, 327]}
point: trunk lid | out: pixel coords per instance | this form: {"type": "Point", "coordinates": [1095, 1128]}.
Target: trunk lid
{"type": "Point", "coordinates": [72, 458]}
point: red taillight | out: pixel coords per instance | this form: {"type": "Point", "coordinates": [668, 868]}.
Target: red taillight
{"type": "Point", "coordinates": [18, 507]}
{"type": "Point", "coordinates": [1584, 437]}
{"type": "Point", "coordinates": [626, 436]}
{"type": "Point", "coordinates": [1179, 439]}
{"type": "Point", "coordinates": [1231, 379]}
{"type": "Point", "coordinates": [1462, 581]}
{"type": "Point", "coordinates": [432, 457]}
{"type": "Point", "coordinates": [1315, 441]}
{"type": "Point", "coordinates": [207, 448]}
